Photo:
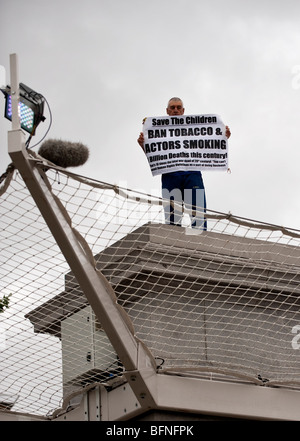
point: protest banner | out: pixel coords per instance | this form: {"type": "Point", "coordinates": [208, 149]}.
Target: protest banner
{"type": "Point", "coordinates": [185, 142]}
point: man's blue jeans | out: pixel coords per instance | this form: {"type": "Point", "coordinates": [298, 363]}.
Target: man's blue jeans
{"type": "Point", "coordinates": [184, 188]}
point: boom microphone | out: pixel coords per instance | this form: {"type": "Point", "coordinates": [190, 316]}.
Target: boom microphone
{"type": "Point", "coordinates": [64, 153]}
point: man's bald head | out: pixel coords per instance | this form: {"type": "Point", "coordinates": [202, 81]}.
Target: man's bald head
{"type": "Point", "coordinates": [175, 106]}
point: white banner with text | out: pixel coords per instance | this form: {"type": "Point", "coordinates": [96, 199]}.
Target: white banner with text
{"type": "Point", "coordinates": [185, 142]}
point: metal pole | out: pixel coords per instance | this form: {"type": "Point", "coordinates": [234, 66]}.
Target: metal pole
{"type": "Point", "coordinates": [15, 91]}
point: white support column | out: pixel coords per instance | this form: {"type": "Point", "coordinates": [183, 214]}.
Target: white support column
{"type": "Point", "coordinates": [15, 91]}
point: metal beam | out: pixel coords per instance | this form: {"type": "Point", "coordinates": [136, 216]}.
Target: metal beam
{"type": "Point", "coordinates": [228, 399]}
{"type": "Point", "coordinates": [191, 399]}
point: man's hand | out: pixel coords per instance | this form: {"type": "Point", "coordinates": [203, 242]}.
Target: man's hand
{"type": "Point", "coordinates": [141, 140]}
{"type": "Point", "coordinates": [228, 132]}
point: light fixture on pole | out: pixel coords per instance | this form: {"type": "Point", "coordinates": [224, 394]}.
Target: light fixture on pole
{"type": "Point", "coordinates": [31, 107]}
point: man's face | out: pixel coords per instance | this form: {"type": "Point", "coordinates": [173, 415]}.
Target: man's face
{"type": "Point", "coordinates": [175, 108]}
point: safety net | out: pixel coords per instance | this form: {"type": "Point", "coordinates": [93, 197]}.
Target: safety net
{"type": "Point", "coordinates": [221, 303]}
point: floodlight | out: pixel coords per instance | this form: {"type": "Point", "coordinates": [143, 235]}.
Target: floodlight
{"type": "Point", "coordinates": [31, 107]}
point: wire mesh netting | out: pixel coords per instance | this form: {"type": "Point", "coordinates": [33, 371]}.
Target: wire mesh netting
{"type": "Point", "coordinates": [222, 301]}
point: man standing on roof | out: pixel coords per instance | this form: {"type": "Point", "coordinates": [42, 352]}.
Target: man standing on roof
{"type": "Point", "coordinates": [182, 187]}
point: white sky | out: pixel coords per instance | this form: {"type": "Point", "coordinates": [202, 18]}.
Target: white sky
{"type": "Point", "coordinates": [104, 65]}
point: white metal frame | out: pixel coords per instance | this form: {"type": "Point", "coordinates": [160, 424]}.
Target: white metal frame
{"type": "Point", "coordinates": [147, 388]}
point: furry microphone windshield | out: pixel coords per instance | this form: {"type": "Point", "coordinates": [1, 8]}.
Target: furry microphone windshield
{"type": "Point", "coordinates": [64, 153]}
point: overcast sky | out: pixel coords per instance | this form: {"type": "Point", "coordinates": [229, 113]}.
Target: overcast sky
{"type": "Point", "coordinates": [104, 65]}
